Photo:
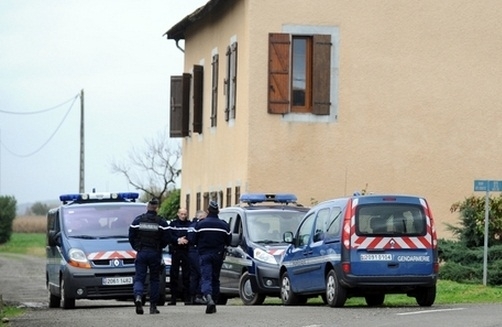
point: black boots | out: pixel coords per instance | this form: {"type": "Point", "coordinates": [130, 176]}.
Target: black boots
{"type": "Point", "coordinates": [139, 304]}
{"type": "Point", "coordinates": [153, 309]}
{"type": "Point", "coordinates": [211, 306]}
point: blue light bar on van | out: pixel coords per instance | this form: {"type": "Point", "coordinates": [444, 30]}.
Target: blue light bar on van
{"type": "Point", "coordinates": [98, 196]}
{"type": "Point", "coordinates": [263, 197]}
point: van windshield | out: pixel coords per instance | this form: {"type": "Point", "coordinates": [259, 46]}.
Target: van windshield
{"type": "Point", "coordinates": [269, 226]}
{"type": "Point", "coordinates": [100, 221]}
{"type": "Point", "coordinates": [390, 219]}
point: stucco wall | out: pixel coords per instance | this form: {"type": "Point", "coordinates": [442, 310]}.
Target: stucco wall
{"type": "Point", "coordinates": [418, 103]}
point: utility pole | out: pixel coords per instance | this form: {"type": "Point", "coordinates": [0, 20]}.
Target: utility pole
{"type": "Point", "coordinates": [82, 163]}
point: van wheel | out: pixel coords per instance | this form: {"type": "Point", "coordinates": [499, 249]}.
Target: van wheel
{"type": "Point", "coordinates": [426, 296]}
{"type": "Point", "coordinates": [246, 293]}
{"type": "Point", "coordinates": [336, 294]}
{"type": "Point", "coordinates": [374, 300]}
{"type": "Point", "coordinates": [66, 303]}
{"type": "Point", "coordinates": [287, 295]}
{"type": "Point", "coordinates": [54, 301]}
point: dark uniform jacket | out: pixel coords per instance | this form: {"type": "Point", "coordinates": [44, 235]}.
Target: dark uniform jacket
{"type": "Point", "coordinates": [148, 231]}
{"type": "Point", "coordinates": [212, 234]}
{"type": "Point", "coordinates": [178, 228]}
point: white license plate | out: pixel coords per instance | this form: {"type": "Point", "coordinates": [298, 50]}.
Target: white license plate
{"type": "Point", "coordinates": [117, 281]}
{"type": "Point", "coordinates": [376, 257]}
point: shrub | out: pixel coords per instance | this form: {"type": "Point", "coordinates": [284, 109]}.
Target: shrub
{"type": "Point", "coordinates": [7, 215]}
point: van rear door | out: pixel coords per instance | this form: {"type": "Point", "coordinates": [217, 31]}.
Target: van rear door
{"type": "Point", "coordinates": [391, 236]}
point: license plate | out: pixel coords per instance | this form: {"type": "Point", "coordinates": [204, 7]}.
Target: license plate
{"type": "Point", "coordinates": [376, 257]}
{"type": "Point", "coordinates": [117, 280]}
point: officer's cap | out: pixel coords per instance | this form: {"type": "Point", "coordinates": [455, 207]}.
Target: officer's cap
{"type": "Point", "coordinates": [154, 201]}
{"type": "Point", "coordinates": [213, 207]}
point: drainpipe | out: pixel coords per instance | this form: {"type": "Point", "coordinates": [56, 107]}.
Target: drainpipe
{"type": "Point", "coordinates": [178, 46]}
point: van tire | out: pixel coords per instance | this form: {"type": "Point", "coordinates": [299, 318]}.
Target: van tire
{"type": "Point", "coordinates": [374, 300]}
{"type": "Point", "coordinates": [54, 301]}
{"type": "Point", "coordinates": [426, 296]}
{"type": "Point", "coordinates": [66, 303]}
{"type": "Point", "coordinates": [336, 294]}
{"type": "Point", "coordinates": [246, 293]}
{"type": "Point", "coordinates": [287, 295]}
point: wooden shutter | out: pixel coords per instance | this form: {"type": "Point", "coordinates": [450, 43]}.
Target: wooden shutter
{"type": "Point", "coordinates": [233, 80]}
{"type": "Point", "coordinates": [180, 99]}
{"type": "Point", "coordinates": [214, 90]}
{"type": "Point", "coordinates": [198, 81]}
{"type": "Point", "coordinates": [278, 73]}
{"type": "Point", "coordinates": [321, 79]}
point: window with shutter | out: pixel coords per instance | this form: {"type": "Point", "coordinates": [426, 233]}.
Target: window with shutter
{"type": "Point", "coordinates": [278, 73]}
{"type": "Point", "coordinates": [214, 89]}
{"type": "Point", "coordinates": [299, 74]}
{"type": "Point", "coordinates": [179, 105]}
{"type": "Point", "coordinates": [231, 82]}
{"type": "Point", "coordinates": [198, 81]}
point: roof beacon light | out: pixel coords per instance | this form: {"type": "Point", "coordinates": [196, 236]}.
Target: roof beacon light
{"type": "Point", "coordinates": [81, 197]}
{"type": "Point", "coordinates": [251, 198]}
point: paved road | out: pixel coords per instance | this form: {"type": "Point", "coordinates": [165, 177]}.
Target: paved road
{"type": "Point", "coordinates": [22, 282]}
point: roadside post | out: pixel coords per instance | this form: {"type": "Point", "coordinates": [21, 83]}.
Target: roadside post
{"type": "Point", "coordinates": [486, 186]}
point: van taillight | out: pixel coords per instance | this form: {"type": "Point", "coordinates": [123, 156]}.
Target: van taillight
{"type": "Point", "coordinates": [346, 225]}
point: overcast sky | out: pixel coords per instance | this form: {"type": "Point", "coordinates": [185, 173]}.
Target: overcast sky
{"type": "Point", "coordinates": [51, 50]}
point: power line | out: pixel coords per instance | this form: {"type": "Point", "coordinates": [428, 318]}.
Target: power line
{"type": "Point", "coordinates": [39, 111]}
{"type": "Point", "coordinates": [50, 137]}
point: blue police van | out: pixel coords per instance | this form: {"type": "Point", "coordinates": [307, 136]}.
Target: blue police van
{"type": "Point", "coordinates": [362, 246]}
{"type": "Point", "coordinates": [251, 266]}
{"type": "Point", "coordinates": [88, 251]}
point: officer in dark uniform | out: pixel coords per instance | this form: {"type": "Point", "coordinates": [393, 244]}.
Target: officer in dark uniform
{"type": "Point", "coordinates": [148, 235]}
{"type": "Point", "coordinates": [193, 255]}
{"type": "Point", "coordinates": [212, 236]}
{"type": "Point", "coordinates": [178, 247]}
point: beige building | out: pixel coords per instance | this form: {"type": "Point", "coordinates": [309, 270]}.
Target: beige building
{"type": "Point", "coordinates": [323, 98]}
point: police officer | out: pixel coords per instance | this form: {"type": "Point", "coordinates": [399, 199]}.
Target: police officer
{"type": "Point", "coordinates": [148, 235]}
{"type": "Point", "coordinates": [212, 235]}
{"type": "Point", "coordinates": [193, 255]}
{"type": "Point", "coordinates": [179, 257]}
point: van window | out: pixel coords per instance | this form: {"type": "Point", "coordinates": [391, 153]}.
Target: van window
{"type": "Point", "coordinates": [303, 236]}
{"type": "Point", "coordinates": [388, 219]}
{"type": "Point", "coordinates": [99, 221]}
{"type": "Point", "coordinates": [269, 226]}
{"type": "Point", "coordinates": [321, 224]}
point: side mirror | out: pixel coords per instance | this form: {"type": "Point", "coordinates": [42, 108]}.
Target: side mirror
{"type": "Point", "coordinates": [236, 239]}
{"type": "Point", "coordinates": [288, 237]}
{"type": "Point", "coordinates": [54, 238]}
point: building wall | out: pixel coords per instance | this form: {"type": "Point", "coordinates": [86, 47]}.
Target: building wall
{"type": "Point", "coordinates": [418, 103]}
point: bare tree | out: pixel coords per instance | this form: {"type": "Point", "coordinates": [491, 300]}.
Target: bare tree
{"type": "Point", "coordinates": [154, 169]}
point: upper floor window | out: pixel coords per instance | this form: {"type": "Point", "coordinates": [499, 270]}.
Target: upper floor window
{"type": "Point", "coordinates": [214, 89]}
{"type": "Point", "coordinates": [299, 74]}
{"type": "Point", "coordinates": [231, 82]}
{"type": "Point", "coordinates": [180, 104]}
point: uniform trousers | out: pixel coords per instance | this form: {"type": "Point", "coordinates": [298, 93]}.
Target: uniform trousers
{"type": "Point", "coordinates": [147, 260]}
{"type": "Point", "coordinates": [210, 268]}
{"type": "Point", "coordinates": [179, 259]}
{"type": "Point", "coordinates": [193, 255]}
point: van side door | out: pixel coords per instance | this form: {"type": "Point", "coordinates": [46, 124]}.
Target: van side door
{"type": "Point", "coordinates": [325, 246]}
{"type": "Point", "coordinates": [301, 266]}
{"type": "Point", "coordinates": [235, 258]}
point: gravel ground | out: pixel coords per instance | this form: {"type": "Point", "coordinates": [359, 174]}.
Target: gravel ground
{"type": "Point", "coordinates": [22, 281]}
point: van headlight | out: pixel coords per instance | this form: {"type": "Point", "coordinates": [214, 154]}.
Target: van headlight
{"type": "Point", "coordinates": [264, 256]}
{"type": "Point", "coordinates": [78, 258]}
